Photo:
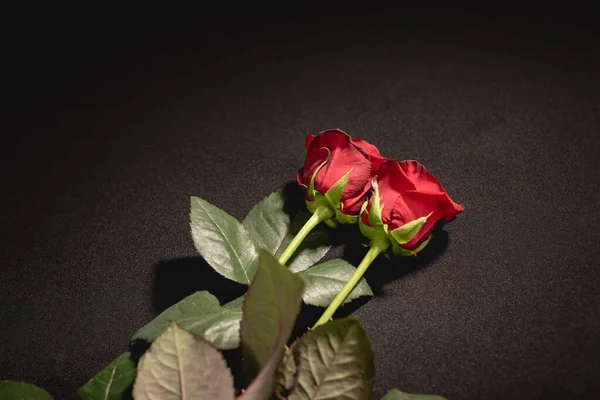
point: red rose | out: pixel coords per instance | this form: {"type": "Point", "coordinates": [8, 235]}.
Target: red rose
{"type": "Point", "coordinates": [407, 205]}
{"type": "Point", "coordinates": [372, 151]}
{"type": "Point", "coordinates": [338, 172]}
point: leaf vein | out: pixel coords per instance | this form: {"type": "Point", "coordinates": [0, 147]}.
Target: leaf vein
{"type": "Point", "coordinates": [112, 377]}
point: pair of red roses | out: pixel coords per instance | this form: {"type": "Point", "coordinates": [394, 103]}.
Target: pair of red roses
{"type": "Point", "coordinates": [396, 201]}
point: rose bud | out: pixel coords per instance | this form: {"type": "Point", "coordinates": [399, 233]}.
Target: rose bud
{"type": "Point", "coordinates": [337, 175]}
{"type": "Point", "coordinates": [407, 204]}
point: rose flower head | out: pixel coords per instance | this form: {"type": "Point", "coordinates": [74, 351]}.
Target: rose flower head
{"type": "Point", "coordinates": [407, 204]}
{"type": "Point", "coordinates": [337, 174]}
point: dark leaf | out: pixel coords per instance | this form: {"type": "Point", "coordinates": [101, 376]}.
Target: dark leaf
{"type": "Point", "coordinates": [270, 309]}
{"type": "Point", "coordinates": [333, 361]}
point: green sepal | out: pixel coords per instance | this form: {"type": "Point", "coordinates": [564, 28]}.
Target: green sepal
{"type": "Point", "coordinates": [400, 251]}
{"type": "Point", "coordinates": [366, 230]}
{"type": "Point", "coordinates": [377, 234]}
{"type": "Point", "coordinates": [319, 202]}
{"type": "Point", "coordinates": [311, 206]}
{"type": "Point", "coordinates": [407, 232]}
{"type": "Point", "coordinates": [331, 223]}
{"type": "Point", "coordinates": [345, 219]}
{"type": "Point", "coordinates": [363, 208]}
{"type": "Point", "coordinates": [376, 207]}
{"type": "Point", "coordinates": [331, 199]}
{"type": "Point", "coordinates": [311, 189]}
{"type": "Point", "coordinates": [334, 194]}
{"type": "Point", "coordinates": [322, 201]}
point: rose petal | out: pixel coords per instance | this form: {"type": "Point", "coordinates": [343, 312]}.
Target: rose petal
{"type": "Point", "coordinates": [353, 204]}
{"type": "Point", "coordinates": [392, 182]}
{"type": "Point", "coordinates": [374, 156]}
{"type": "Point", "coordinates": [420, 177]}
{"type": "Point", "coordinates": [308, 140]}
{"type": "Point", "coordinates": [376, 161]}
{"type": "Point", "coordinates": [343, 157]}
{"type": "Point", "coordinates": [392, 178]}
{"type": "Point", "coordinates": [366, 146]}
{"type": "Point", "coordinates": [414, 204]}
{"type": "Point", "coordinates": [317, 152]}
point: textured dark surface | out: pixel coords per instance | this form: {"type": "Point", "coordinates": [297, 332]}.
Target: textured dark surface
{"type": "Point", "coordinates": [113, 126]}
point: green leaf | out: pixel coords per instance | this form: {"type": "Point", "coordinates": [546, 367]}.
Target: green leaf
{"type": "Point", "coordinates": [376, 207]}
{"type": "Point", "coordinates": [180, 365]}
{"type": "Point", "coordinates": [13, 390]}
{"type": "Point", "coordinates": [407, 232]}
{"type": "Point", "coordinates": [270, 310]}
{"type": "Point", "coordinates": [395, 394]}
{"type": "Point", "coordinates": [272, 229]}
{"type": "Point", "coordinates": [223, 242]}
{"type": "Point", "coordinates": [200, 314]}
{"type": "Point", "coordinates": [325, 281]}
{"type": "Point", "coordinates": [333, 361]}
{"type": "Point", "coordinates": [113, 382]}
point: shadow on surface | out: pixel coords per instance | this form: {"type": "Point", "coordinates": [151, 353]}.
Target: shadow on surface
{"type": "Point", "coordinates": [384, 270]}
{"type": "Point", "coordinates": [294, 198]}
{"type": "Point", "coordinates": [179, 278]}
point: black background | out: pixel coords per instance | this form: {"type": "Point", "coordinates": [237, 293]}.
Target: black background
{"type": "Point", "coordinates": [115, 117]}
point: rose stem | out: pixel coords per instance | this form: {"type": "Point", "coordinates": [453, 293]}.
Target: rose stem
{"type": "Point", "coordinates": [320, 215]}
{"type": "Point", "coordinates": [377, 246]}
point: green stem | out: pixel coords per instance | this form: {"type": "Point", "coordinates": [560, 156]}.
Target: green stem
{"type": "Point", "coordinates": [320, 215]}
{"type": "Point", "coordinates": [377, 246]}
